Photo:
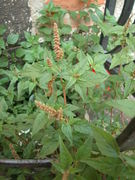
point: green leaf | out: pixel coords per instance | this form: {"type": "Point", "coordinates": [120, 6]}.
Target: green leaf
{"type": "Point", "coordinates": [94, 17]}
{"type": "Point", "coordinates": [66, 29]}
{"type": "Point", "coordinates": [28, 151]}
{"type": "Point", "coordinates": [123, 57]}
{"type": "Point", "coordinates": [12, 38]}
{"type": "Point", "coordinates": [28, 37]}
{"type": "Point", "coordinates": [128, 87]}
{"type": "Point", "coordinates": [58, 168]}
{"type": "Point", "coordinates": [3, 61]}
{"type": "Point", "coordinates": [32, 71]}
{"type": "Point", "coordinates": [91, 174]}
{"type": "Point", "coordinates": [26, 44]}
{"type": "Point", "coordinates": [29, 56]}
{"type": "Point", "coordinates": [21, 177]}
{"type": "Point", "coordinates": [68, 110]}
{"type": "Point", "coordinates": [70, 83]}
{"type": "Point", "coordinates": [125, 105]}
{"type": "Point", "coordinates": [83, 28]}
{"type": "Point", "coordinates": [39, 123]}
{"type": "Point", "coordinates": [65, 156]}
{"type": "Point", "coordinates": [31, 87]}
{"type": "Point", "coordinates": [105, 142]}
{"type": "Point", "coordinates": [2, 43]}
{"type": "Point", "coordinates": [83, 128]}
{"type": "Point", "coordinates": [20, 52]}
{"type": "Point", "coordinates": [3, 104]}
{"type": "Point", "coordinates": [106, 165]}
{"type": "Point", "coordinates": [4, 80]}
{"type": "Point", "coordinates": [73, 14]}
{"type": "Point", "coordinates": [21, 87]}
{"type": "Point", "coordinates": [44, 79]}
{"type": "Point", "coordinates": [48, 148]}
{"type": "Point", "coordinates": [67, 131]}
{"type": "Point", "coordinates": [90, 79]}
{"type": "Point", "coordinates": [130, 161]}
{"type": "Point", "coordinates": [50, 141]}
{"type": "Point", "coordinates": [78, 89]}
{"type": "Point", "coordinates": [46, 30]}
{"type": "Point", "coordinates": [85, 150]}
{"type": "Point", "coordinates": [3, 91]}
{"type": "Point", "coordinates": [2, 29]}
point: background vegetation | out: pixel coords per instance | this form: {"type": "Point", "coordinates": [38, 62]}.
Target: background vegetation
{"type": "Point", "coordinates": [63, 74]}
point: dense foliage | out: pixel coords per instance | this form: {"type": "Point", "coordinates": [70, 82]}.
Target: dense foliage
{"type": "Point", "coordinates": [63, 74]}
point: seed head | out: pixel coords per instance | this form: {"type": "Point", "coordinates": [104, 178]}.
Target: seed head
{"type": "Point", "coordinates": [57, 49]}
{"type": "Point", "coordinates": [49, 63]}
{"type": "Point", "coordinates": [58, 114]}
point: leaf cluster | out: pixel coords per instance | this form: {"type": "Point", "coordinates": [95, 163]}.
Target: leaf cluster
{"type": "Point", "coordinates": [79, 85]}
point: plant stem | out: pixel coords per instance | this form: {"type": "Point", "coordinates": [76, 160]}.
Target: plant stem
{"type": "Point", "coordinates": [64, 92]}
{"type": "Point", "coordinates": [13, 151]}
{"type": "Point", "coordinates": [111, 115]}
{"type": "Point", "coordinates": [119, 69]}
{"type": "Point", "coordinates": [103, 177]}
{"type": "Point", "coordinates": [65, 175]}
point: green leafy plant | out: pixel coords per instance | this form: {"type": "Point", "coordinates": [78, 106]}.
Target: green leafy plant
{"type": "Point", "coordinates": [48, 89]}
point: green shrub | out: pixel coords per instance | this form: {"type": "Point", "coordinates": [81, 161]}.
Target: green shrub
{"type": "Point", "coordinates": [64, 84]}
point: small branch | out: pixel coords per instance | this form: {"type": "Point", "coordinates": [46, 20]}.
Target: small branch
{"type": "Point", "coordinates": [103, 177]}
{"type": "Point", "coordinates": [87, 91]}
{"type": "Point", "coordinates": [25, 163]}
{"type": "Point", "coordinates": [13, 48]}
{"type": "Point", "coordinates": [13, 151]}
{"type": "Point", "coordinates": [119, 70]}
{"type": "Point", "coordinates": [64, 92]}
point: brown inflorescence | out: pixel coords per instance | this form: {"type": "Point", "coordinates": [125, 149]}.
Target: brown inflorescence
{"type": "Point", "coordinates": [58, 114]}
{"type": "Point", "coordinates": [13, 151]}
{"type": "Point", "coordinates": [50, 86]}
{"type": "Point", "coordinates": [49, 62]}
{"type": "Point", "coordinates": [57, 49]}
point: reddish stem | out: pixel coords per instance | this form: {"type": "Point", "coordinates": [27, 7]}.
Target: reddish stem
{"type": "Point", "coordinates": [111, 116]}
{"type": "Point", "coordinates": [65, 175]}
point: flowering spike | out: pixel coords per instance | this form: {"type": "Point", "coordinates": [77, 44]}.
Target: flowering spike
{"type": "Point", "coordinates": [57, 49]}
{"type": "Point", "coordinates": [49, 63]}
{"type": "Point", "coordinates": [50, 86]}
{"type": "Point", "coordinates": [51, 111]}
{"type": "Point", "coordinates": [13, 151]}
